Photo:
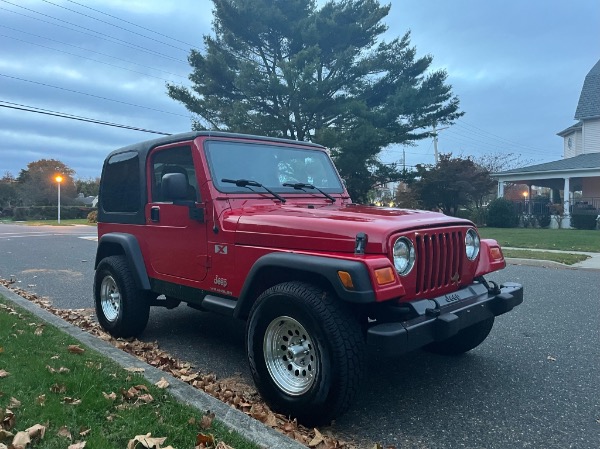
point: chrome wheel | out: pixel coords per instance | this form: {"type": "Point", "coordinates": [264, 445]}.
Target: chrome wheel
{"type": "Point", "coordinates": [290, 356]}
{"type": "Point", "coordinates": [110, 298]}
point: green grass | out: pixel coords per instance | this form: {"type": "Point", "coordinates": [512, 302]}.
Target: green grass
{"type": "Point", "coordinates": [112, 424]}
{"type": "Point", "coordinates": [559, 239]}
{"type": "Point", "coordinates": [566, 258]}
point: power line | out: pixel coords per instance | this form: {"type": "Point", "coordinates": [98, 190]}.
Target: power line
{"type": "Point", "coordinates": [97, 33]}
{"type": "Point", "coordinates": [26, 108]}
{"type": "Point", "coordinates": [89, 59]}
{"type": "Point", "coordinates": [134, 24]}
{"type": "Point", "coordinates": [84, 49]}
{"type": "Point", "coordinates": [116, 26]}
{"type": "Point", "coordinates": [498, 137]}
{"type": "Point", "coordinates": [94, 96]}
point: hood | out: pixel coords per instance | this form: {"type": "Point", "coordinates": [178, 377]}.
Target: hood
{"type": "Point", "coordinates": [328, 227]}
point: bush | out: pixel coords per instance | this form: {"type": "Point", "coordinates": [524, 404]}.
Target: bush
{"type": "Point", "coordinates": [584, 221]}
{"type": "Point", "coordinates": [501, 214]}
{"type": "Point", "coordinates": [479, 216]}
{"type": "Point", "coordinates": [544, 221]}
{"type": "Point", "coordinates": [93, 217]}
{"type": "Point", "coordinates": [49, 212]}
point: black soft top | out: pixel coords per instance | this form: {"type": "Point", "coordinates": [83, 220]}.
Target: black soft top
{"type": "Point", "coordinates": [142, 148]}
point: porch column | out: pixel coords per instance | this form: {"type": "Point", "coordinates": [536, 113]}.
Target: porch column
{"type": "Point", "coordinates": [566, 222]}
{"type": "Point", "coordinates": [500, 189]}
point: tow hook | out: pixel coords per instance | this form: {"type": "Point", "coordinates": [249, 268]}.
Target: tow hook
{"type": "Point", "coordinates": [494, 289]}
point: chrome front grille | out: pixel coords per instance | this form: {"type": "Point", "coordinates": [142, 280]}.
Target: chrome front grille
{"type": "Point", "coordinates": [439, 259]}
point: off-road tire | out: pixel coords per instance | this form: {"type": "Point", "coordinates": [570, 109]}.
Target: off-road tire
{"type": "Point", "coordinates": [324, 376]}
{"type": "Point", "coordinates": [467, 339]}
{"type": "Point", "coordinates": [125, 313]}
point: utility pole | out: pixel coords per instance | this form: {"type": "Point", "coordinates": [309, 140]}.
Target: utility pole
{"type": "Point", "coordinates": [435, 141]}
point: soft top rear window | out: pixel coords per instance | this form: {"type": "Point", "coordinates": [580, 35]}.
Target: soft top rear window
{"type": "Point", "coordinates": [121, 183]}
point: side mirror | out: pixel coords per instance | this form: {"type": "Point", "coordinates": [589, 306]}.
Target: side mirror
{"type": "Point", "coordinates": [174, 186]}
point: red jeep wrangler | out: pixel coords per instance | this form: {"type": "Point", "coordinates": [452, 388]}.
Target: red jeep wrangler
{"type": "Point", "coordinates": [263, 229]}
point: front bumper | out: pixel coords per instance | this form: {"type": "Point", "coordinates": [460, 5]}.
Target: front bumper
{"type": "Point", "coordinates": [440, 318]}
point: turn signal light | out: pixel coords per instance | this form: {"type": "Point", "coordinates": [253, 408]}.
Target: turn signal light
{"type": "Point", "coordinates": [496, 253]}
{"type": "Point", "coordinates": [384, 276]}
{"type": "Point", "coordinates": [346, 279]}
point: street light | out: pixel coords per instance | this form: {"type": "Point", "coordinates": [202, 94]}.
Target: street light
{"type": "Point", "coordinates": [58, 180]}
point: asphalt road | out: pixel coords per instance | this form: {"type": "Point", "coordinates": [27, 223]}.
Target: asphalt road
{"type": "Point", "coordinates": [534, 383]}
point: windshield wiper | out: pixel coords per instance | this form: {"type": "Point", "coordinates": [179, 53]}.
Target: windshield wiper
{"type": "Point", "coordinates": [302, 186]}
{"type": "Point", "coordinates": [248, 183]}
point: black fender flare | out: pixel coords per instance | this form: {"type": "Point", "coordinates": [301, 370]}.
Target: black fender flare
{"type": "Point", "coordinates": [119, 243]}
{"type": "Point", "coordinates": [323, 267]}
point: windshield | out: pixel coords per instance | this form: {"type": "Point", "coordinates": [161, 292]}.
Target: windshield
{"type": "Point", "coordinates": [271, 166]}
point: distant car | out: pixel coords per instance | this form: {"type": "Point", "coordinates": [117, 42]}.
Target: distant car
{"type": "Point", "coordinates": [264, 230]}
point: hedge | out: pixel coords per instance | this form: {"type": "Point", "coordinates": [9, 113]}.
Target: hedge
{"type": "Point", "coordinates": [50, 212]}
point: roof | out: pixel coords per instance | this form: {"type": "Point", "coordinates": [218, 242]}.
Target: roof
{"type": "Point", "coordinates": [589, 100]}
{"type": "Point", "coordinates": [570, 129]}
{"type": "Point", "coordinates": [581, 162]}
{"type": "Point", "coordinates": [144, 147]}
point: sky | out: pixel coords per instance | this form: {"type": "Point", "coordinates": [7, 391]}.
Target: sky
{"type": "Point", "coordinates": [517, 67]}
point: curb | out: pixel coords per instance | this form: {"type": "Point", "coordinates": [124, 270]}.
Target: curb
{"type": "Point", "coordinates": [233, 419]}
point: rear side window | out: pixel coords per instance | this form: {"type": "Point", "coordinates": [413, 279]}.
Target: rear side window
{"type": "Point", "coordinates": [121, 183]}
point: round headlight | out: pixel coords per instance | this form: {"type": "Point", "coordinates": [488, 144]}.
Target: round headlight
{"type": "Point", "coordinates": [472, 244]}
{"type": "Point", "coordinates": [404, 256]}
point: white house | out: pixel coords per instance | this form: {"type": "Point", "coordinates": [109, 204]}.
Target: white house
{"type": "Point", "coordinates": [579, 170]}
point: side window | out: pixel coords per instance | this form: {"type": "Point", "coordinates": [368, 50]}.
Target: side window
{"type": "Point", "coordinates": [173, 160]}
{"type": "Point", "coordinates": [121, 183]}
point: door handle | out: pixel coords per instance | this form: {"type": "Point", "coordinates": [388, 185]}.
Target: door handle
{"type": "Point", "coordinates": [155, 214]}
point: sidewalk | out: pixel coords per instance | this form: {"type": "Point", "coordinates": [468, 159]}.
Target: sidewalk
{"type": "Point", "coordinates": [592, 263]}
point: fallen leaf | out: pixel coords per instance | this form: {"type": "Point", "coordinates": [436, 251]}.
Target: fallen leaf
{"type": "Point", "coordinates": [1, 349]}
{"type": "Point", "coordinates": [58, 388]}
{"type": "Point", "coordinates": [64, 432]}
{"type": "Point", "coordinates": [318, 439]}
{"type": "Point", "coordinates": [204, 440]}
{"type": "Point", "coordinates": [36, 431]}
{"type": "Point", "coordinates": [71, 401]}
{"type": "Point", "coordinates": [80, 445]}
{"type": "Point", "coordinates": [133, 369]}
{"type": "Point", "coordinates": [207, 421]}
{"type": "Point", "coordinates": [4, 373]}
{"type": "Point", "coordinates": [552, 359]}
{"type": "Point", "coordinates": [39, 330]}
{"type": "Point", "coordinates": [14, 403]}
{"type": "Point", "coordinates": [76, 349]}
{"type": "Point", "coordinates": [84, 432]}
{"type": "Point", "coordinates": [21, 440]}
{"type": "Point", "coordinates": [146, 398]}
{"type": "Point", "coordinates": [221, 445]}
{"type": "Point", "coordinates": [146, 441]}
{"type": "Point", "coordinates": [8, 420]}
{"type": "Point", "coordinates": [111, 397]}
{"type": "Point", "coordinates": [5, 434]}
{"type": "Point", "coordinates": [162, 383]}
{"type": "Point", "coordinates": [41, 400]}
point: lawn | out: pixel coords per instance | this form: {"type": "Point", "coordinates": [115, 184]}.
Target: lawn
{"type": "Point", "coordinates": [559, 239]}
{"type": "Point", "coordinates": [48, 378]}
